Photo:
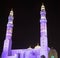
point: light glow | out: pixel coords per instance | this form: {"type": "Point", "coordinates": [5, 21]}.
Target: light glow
{"type": "Point", "coordinates": [37, 47]}
{"type": "Point", "coordinates": [43, 17]}
{"type": "Point", "coordinates": [11, 22]}
{"type": "Point", "coordinates": [29, 47]}
{"type": "Point", "coordinates": [42, 7]}
{"type": "Point", "coordinates": [52, 56]}
{"type": "Point", "coordinates": [11, 12]}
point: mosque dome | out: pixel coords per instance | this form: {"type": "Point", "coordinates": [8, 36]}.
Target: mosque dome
{"type": "Point", "coordinates": [29, 47]}
{"type": "Point", "coordinates": [37, 47]}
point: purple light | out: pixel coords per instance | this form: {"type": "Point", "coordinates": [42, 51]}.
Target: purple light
{"type": "Point", "coordinates": [26, 53]}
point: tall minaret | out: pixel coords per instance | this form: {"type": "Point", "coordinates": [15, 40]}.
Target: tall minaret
{"type": "Point", "coordinates": [43, 33]}
{"type": "Point", "coordinates": [9, 25]}
{"type": "Point", "coordinates": [8, 39]}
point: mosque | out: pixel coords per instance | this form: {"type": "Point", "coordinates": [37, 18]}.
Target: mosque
{"type": "Point", "coordinates": [40, 51]}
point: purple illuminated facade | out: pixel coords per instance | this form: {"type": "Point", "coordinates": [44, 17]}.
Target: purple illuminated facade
{"type": "Point", "coordinates": [40, 51]}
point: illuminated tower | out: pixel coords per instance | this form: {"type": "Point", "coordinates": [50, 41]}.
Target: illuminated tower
{"type": "Point", "coordinates": [43, 33]}
{"type": "Point", "coordinates": [8, 41]}
{"type": "Point", "coordinates": [40, 51]}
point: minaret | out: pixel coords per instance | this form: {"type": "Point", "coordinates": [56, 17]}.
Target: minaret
{"type": "Point", "coordinates": [9, 25]}
{"type": "Point", "coordinates": [43, 33]}
{"type": "Point", "coordinates": [8, 39]}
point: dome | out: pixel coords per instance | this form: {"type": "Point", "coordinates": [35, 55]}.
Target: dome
{"type": "Point", "coordinates": [29, 47]}
{"type": "Point", "coordinates": [37, 47]}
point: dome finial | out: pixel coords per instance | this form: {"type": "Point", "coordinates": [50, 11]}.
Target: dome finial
{"type": "Point", "coordinates": [29, 47]}
{"type": "Point", "coordinates": [37, 46]}
{"type": "Point", "coordinates": [42, 7]}
{"type": "Point", "coordinates": [11, 12]}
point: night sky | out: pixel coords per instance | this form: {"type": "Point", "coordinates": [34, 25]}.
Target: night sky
{"type": "Point", "coordinates": [26, 23]}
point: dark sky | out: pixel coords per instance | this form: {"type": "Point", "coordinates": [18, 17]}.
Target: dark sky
{"type": "Point", "coordinates": [26, 22]}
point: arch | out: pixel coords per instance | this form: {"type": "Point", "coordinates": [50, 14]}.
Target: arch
{"type": "Point", "coordinates": [53, 53]}
{"type": "Point", "coordinates": [18, 55]}
{"type": "Point", "coordinates": [42, 56]}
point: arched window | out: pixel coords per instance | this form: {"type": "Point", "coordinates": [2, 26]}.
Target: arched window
{"type": "Point", "coordinates": [52, 56]}
{"type": "Point", "coordinates": [18, 55]}
{"type": "Point", "coordinates": [42, 56]}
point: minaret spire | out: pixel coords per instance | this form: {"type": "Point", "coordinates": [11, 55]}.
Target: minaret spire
{"type": "Point", "coordinates": [10, 25]}
{"type": "Point", "coordinates": [43, 32]}
{"type": "Point", "coordinates": [43, 12]}
{"type": "Point", "coordinates": [11, 12]}
{"type": "Point", "coordinates": [42, 7]}
{"type": "Point", "coordinates": [8, 38]}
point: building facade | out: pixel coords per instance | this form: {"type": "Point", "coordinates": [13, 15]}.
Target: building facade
{"type": "Point", "coordinates": [40, 51]}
